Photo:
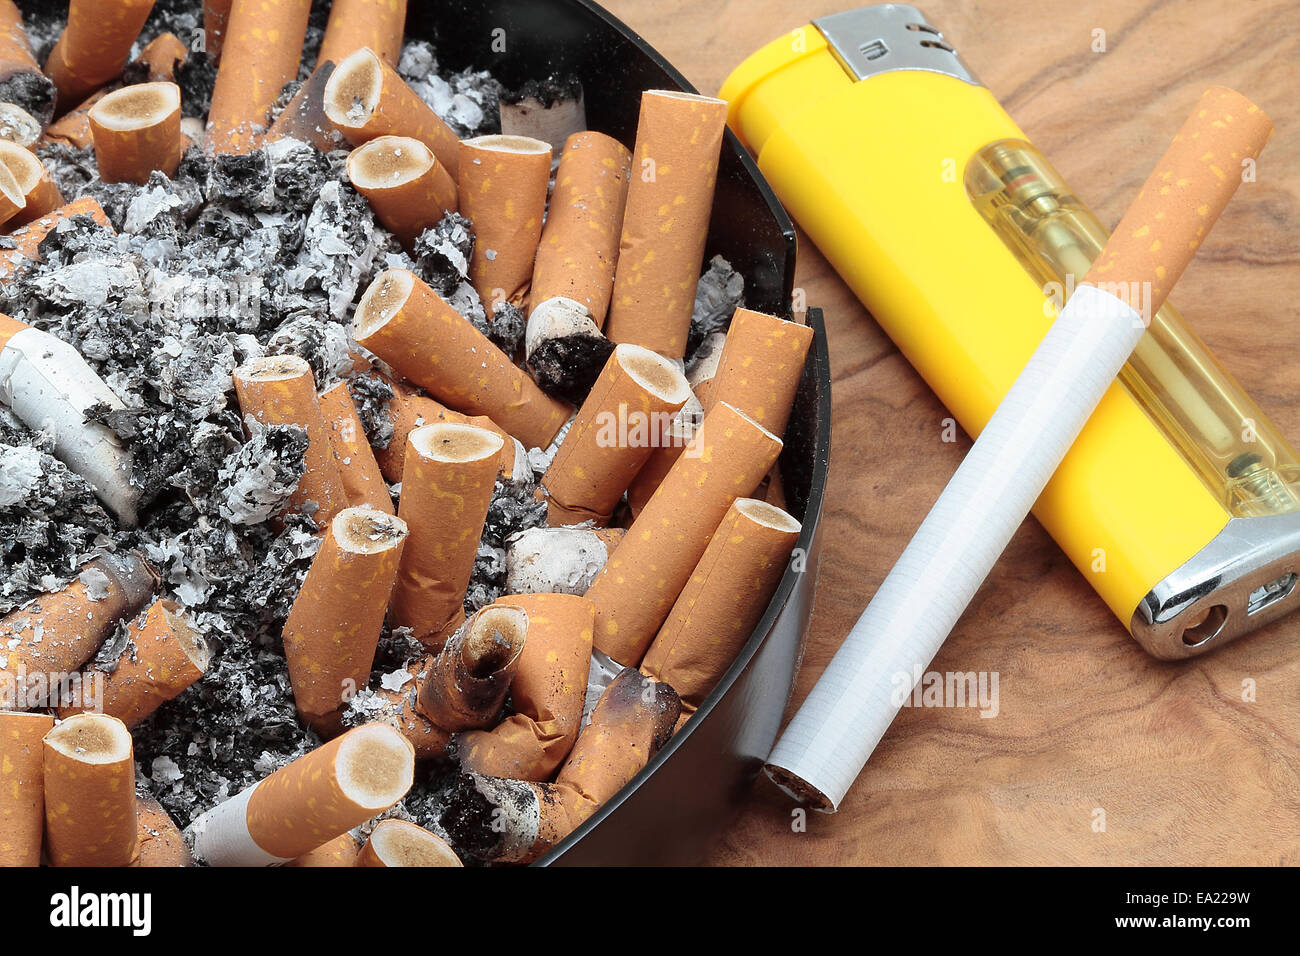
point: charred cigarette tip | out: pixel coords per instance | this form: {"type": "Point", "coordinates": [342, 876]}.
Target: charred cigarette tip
{"type": "Point", "coordinates": [273, 368]}
{"type": "Point", "coordinates": [495, 640]}
{"type": "Point", "coordinates": [799, 789]}
{"type": "Point", "coordinates": [386, 295]}
{"type": "Point", "coordinates": [188, 638]}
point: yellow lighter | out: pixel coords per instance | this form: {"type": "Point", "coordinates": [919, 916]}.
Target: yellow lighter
{"type": "Point", "coordinates": [1180, 501]}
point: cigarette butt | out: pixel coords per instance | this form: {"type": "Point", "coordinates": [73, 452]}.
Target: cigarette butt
{"type": "Point", "coordinates": [639, 584]}
{"type": "Point", "coordinates": [760, 367]}
{"type": "Point", "coordinates": [564, 349]}
{"type": "Point", "coordinates": [90, 815]}
{"type": "Point", "coordinates": [52, 636]}
{"type": "Point", "coordinates": [354, 24]}
{"type": "Point", "coordinates": [365, 98]}
{"type": "Point", "coordinates": [465, 684]}
{"type": "Point", "coordinates": [280, 390]}
{"type": "Point", "coordinates": [558, 560]}
{"type": "Point", "coordinates": [503, 182]}
{"type": "Point", "coordinates": [661, 460]}
{"type": "Point", "coordinates": [161, 843]}
{"type": "Point", "coordinates": [27, 240]}
{"type": "Point", "coordinates": [623, 420]}
{"type": "Point", "coordinates": [517, 821]}
{"type": "Point", "coordinates": [259, 54]}
{"type": "Point", "coordinates": [18, 126]}
{"type": "Point", "coordinates": [161, 56]}
{"type": "Point", "coordinates": [401, 711]}
{"type": "Point", "coordinates": [308, 802]}
{"type": "Point", "coordinates": [399, 843]}
{"type": "Point", "coordinates": [40, 196]}
{"type": "Point", "coordinates": [21, 79]}
{"type": "Point", "coordinates": [547, 692]}
{"type": "Point", "coordinates": [723, 601]}
{"type": "Point", "coordinates": [136, 130]}
{"type": "Point", "coordinates": [424, 339]}
{"type": "Point", "coordinates": [669, 200]}
{"type": "Point", "coordinates": [303, 117]}
{"type": "Point", "coordinates": [94, 46]}
{"type": "Point", "coordinates": [12, 200]}
{"type": "Point", "coordinates": [1183, 197]}
{"type": "Point", "coordinates": [333, 628]}
{"type": "Point", "coordinates": [216, 22]}
{"type": "Point", "coordinates": [410, 411]}
{"type": "Point", "coordinates": [22, 788]}
{"type": "Point", "coordinates": [579, 245]}
{"type": "Point", "coordinates": [341, 851]}
{"type": "Point", "coordinates": [166, 655]}
{"type": "Point", "coordinates": [362, 480]}
{"type": "Point", "coordinates": [403, 181]}
{"type": "Point", "coordinates": [447, 484]}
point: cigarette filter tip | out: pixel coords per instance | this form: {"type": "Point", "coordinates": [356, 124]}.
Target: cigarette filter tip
{"type": "Point", "coordinates": [90, 806]}
{"type": "Point", "coordinates": [399, 843]}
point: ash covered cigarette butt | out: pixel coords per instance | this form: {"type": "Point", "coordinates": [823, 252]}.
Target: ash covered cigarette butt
{"type": "Point", "coordinates": [398, 697]}
{"type": "Point", "coordinates": [308, 802]}
{"type": "Point", "coordinates": [22, 793]}
{"type": "Point", "coordinates": [40, 196]}
{"type": "Point", "coordinates": [760, 367]}
{"type": "Point", "coordinates": [18, 126]}
{"type": "Point", "coordinates": [465, 683]}
{"type": "Point", "coordinates": [357, 24]}
{"type": "Point", "coordinates": [564, 349]}
{"type": "Point", "coordinates": [27, 239]}
{"type": "Point", "coordinates": [362, 480]}
{"type": "Point", "coordinates": [94, 47]}
{"type": "Point", "coordinates": [401, 843]}
{"type": "Point", "coordinates": [562, 560]}
{"type": "Point", "coordinates": [90, 806]}
{"type": "Point", "coordinates": [407, 187]}
{"type": "Point", "coordinates": [21, 81]}
{"type": "Point", "coordinates": [137, 130]}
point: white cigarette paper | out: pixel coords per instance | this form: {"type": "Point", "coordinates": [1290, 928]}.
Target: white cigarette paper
{"type": "Point", "coordinates": [833, 734]}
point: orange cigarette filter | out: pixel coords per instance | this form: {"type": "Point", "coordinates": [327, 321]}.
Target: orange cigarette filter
{"type": "Point", "coordinates": [465, 684]}
{"type": "Point", "coordinates": [22, 788]}
{"type": "Point", "coordinates": [424, 339]}
{"type": "Point", "coordinates": [579, 246]}
{"type": "Point", "coordinates": [341, 851]}
{"type": "Point", "coordinates": [355, 24]}
{"type": "Point", "coordinates": [53, 635]}
{"type": "Point", "coordinates": [760, 368]}
{"type": "Point", "coordinates": [280, 390]}
{"type": "Point", "coordinates": [402, 711]}
{"type": "Point", "coordinates": [90, 815]}
{"type": "Point", "coordinates": [19, 70]}
{"type": "Point", "coordinates": [28, 238]}
{"type": "Point", "coordinates": [303, 117]}
{"type": "Point", "coordinates": [333, 628]}
{"type": "Point", "coordinates": [40, 196]}
{"type": "Point", "coordinates": [447, 484]}
{"type": "Point", "coordinates": [669, 200]}
{"type": "Point", "coordinates": [362, 480]}
{"type": "Point", "coordinates": [94, 46]}
{"type": "Point", "coordinates": [260, 53]}
{"type": "Point", "coordinates": [641, 580]}
{"type": "Point", "coordinates": [400, 843]}
{"type": "Point", "coordinates": [503, 182]}
{"type": "Point", "coordinates": [547, 693]}
{"type": "Point", "coordinates": [161, 56]}
{"type": "Point", "coordinates": [722, 602]}
{"type": "Point", "coordinates": [410, 411]}
{"type": "Point", "coordinates": [365, 99]}
{"type": "Point", "coordinates": [136, 130]}
{"type": "Point", "coordinates": [216, 24]}
{"type": "Point", "coordinates": [166, 654]}
{"type": "Point", "coordinates": [403, 181]}
{"type": "Point", "coordinates": [161, 843]}
{"type": "Point", "coordinates": [660, 461]}
{"type": "Point", "coordinates": [620, 424]}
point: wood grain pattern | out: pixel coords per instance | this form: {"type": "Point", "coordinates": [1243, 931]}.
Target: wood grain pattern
{"type": "Point", "coordinates": [1184, 768]}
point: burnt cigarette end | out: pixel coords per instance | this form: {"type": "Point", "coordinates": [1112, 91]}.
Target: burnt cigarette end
{"type": "Point", "coordinates": [375, 766]}
{"type": "Point", "coordinates": [273, 368]}
{"type": "Point", "coordinates": [565, 350]}
{"type": "Point", "coordinates": [385, 297]}
{"type": "Point", "coordinates": [551, 109]}
{"type": "Point", "coordinates": [489, 818]}
{"type": "Point", "coordinates": [495, 640]}
{"type": "Point", "coordinates": [17, 125]}
{"type": "Point", "coordinates": [31, 91]}
{"type": "Point", "coordinates": [799, 789]}
{"type": "Point", "coordinates": [91, 739]}
{"type": "Point", "coordinates": [188, 638]}
{"type": "Point", "coordinates": [631, 692]}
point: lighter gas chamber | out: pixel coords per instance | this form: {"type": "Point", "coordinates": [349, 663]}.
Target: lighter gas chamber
{"type": "Point", "coordinates": [1180, 501]}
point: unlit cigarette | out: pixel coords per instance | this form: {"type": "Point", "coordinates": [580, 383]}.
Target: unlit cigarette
{"type": "Point", "coordinates": [22, 787]}
{"type": "Point", "coordinates": [503, 182]}
{"type": "Point", "coordinates": [365, 98]}
{"type": "Point", "coordinates": [216, 22]}
{"type": "Point", "coordinates": [260, 53]}
{"type": "Point", "coordinates": [403, 181]}
{"type": "Point", "coordinates": [52, 636]}
{"type": "Point", "coordinates": [303, 117]}
{"type": "Point", "coordinates": [333, 628]}
{"type": "Point", "coordinates": [166, 654]}
{"type": "Point", "coordinates": [760, 367]}
{"type": "Point", "coordinates": [546, 694]}
{"type": "Point", "coordinates": [723, 601]}
{"type": "Point", "coordinates": [21, 80]}
{"type": "Point", "coordinates": [834, 733]}
{"type": "Point", "coordinates": [341, 851]}
{"type": "Point", "coordinates": [18, 126]}
{"type": "Point", "coordinates": [136, 130]}
{"type": "Point", "coordinates": [280, 390]}
{"type": "Point", "coordinates": [308, 802]}
{"type": "Point", "coordinates": [447, 484]}
{"type": "Point", "coordinates": [641, 581]}
{"type": "Point", "coordinates": [410, 327]}
{"type": "Point", "coordinates": [90, 816]}
{"type": "Point", "coordinates": [94, 46]}
{"type": "Point", "coordinates": [558, 560]}
{"type": "Point", "coordinates": [669, 201]}
{"type": "Point", "coordinates": [579, 245]}
{"type": "Point", "coordinates": [465, 684]}
{"type": "Point", "coordinates": [354, 24]}
{"type": "Point", "coordinates": [362, 479]}
{"type": "Point", "coordinates": [160, 841]}
{"type": "Point", "coordinates": [40, 196]}
{"type": "Point", "coordinates": [617, 428]}
{"type": "Point", "coordinates": [399, 843]}
{"type": "Point", "coordinates": [27, 240]}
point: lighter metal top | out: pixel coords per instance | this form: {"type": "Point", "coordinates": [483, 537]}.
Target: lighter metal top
{"type": "Point", "coordinates": [889, 37]}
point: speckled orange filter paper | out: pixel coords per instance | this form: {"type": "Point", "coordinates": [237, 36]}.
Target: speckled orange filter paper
{"type": "Point", "coordinates": [669, 201]}
{"type": "Point", "coordinates": [406, 186]}
{"type": "Point", "coordinates": [22, 793]}
{"type": "Point", "coordinates": [260, 53]}
{"type": "Point", "coordinates": [362, 479]}
{"type": "Point", "coordinates": [137, 130]}
{"type": "Point", "coordinates": [90, 807]}
{"type": "Point", "coordinates": [160, 841]}
{"type": "Point", "coordinates": [354, 24]}
{"type": "Point", "coordinates": [410, 410]}
{"type": "Point", "coordinates": [216, 22]}
{"type": "Point", "coordinates": [760, 368]}
{"type": "Point", "coordinates": [1183, 198]}
{"type": "Point", "coordinates": [303, 117]}
{"type": "Point", "coordinates": [73, 127]}
{"type": "Point", "coordinates": [94, 46]}
{"type": "Point", "coordinates": [427, 738]}
{"type": "Point", "coordinates": [341, 851]}
{"type": "Point", "coordinates": [636, 589]}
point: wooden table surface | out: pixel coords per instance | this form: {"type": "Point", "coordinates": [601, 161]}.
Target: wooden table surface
{"type": "Point", "coordinates": [1185, 769]}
